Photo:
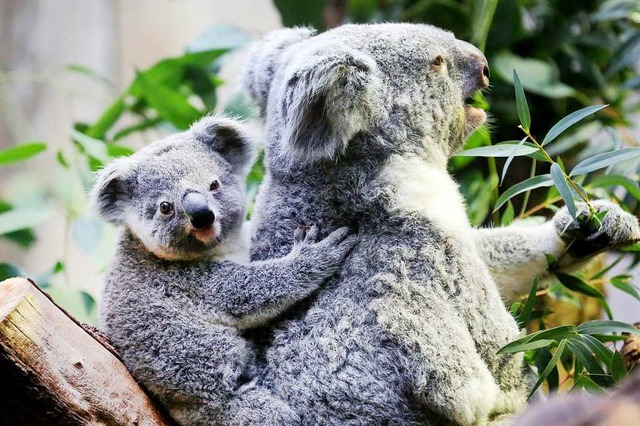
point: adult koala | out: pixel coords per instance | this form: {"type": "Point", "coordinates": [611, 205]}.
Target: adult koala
{"type": "Point", "coordinates": [360, 123]}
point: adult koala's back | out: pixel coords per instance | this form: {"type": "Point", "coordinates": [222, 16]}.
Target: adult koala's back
{"type": "Point", "coordinates": [361, 121]}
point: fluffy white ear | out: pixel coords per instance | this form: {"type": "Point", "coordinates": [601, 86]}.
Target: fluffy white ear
{"type": "Point", "coordinates": [111, 194]}
{"type": "Point", "coordinates": [265, 58]}
{"type": "Point", "coordinates": [328, 97]}
{"type": "Point", "coordinates": [229, 138]}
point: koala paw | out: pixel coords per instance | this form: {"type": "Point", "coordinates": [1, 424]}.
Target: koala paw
{"type": "Point", "coordinates": [327, 255]}
{"type": "Point", "coordinates": [618, 229]}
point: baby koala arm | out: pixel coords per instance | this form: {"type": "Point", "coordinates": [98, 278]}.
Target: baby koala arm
{"type": "Point", "coordinates": [515, 254]}
{"type": "Point", "coordinates": [259, 291]}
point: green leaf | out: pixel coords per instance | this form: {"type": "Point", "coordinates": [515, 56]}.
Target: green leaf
{"type": "Point", "coordinates": [552, 262]}
{"type": "Point", "coordinates": [630, 185]}
{"type": "Point", "coordinates": [521, 103]}
{"type": "Point", "coordinates": [92, 147]}
{"type": "Point", "coordinates": [622, 283]}
{"type": "Point", "coordinates": [501, 150]}
{"type": "Point", "coordinates": [139, 127]}
{"type": "Point", "coordinates": [21, 218]}
{"type": "Point", "coordinates": [556, 333]}
{"type": "Point", "coordinates": [598, 348]}
{"type": "Point", "coordinates": [21, 152]}
{"type": "Point", "coordinates": [631, 248]}
{"type": "Point", "coordinates": [603, 160]}
{"type": "Point", "coordinates": [525, 315]}
{"type": "Point", "coordinates": [508, 215]}
{"type": "Point", "coordinates": [510, 159]}
{"type": "Point", "coordinates": [563, 188]}
{"type": "Point", "coordinates": [584, 355]}
{"type": "Point", "coordinates": [550, 366]}
{"type": "Point", "coordinates": [9, 270]}
{"type": "Point", "coordinates": [569, 121]}
{"type": "Point", "coordinates": [115, 151]}
{"type": "Point", "coordinates": [61, 160]}
{"type": "Point", "coordinates": [526, 185]}
{"type": "Point", "coordinates": [481, 19]}
{"type": "Point", "coordinates": [108, 118]}
{"type": "Point", "coordinates": [170, 104]}
{"type": "Point", "coordinates": [605, 327]}
{"type": "Point", "coordinates": [618, 369]}
{"type": "Point", "coordinates": [579, 286]}
{"type": "Point", "coordinates": [585, 382]}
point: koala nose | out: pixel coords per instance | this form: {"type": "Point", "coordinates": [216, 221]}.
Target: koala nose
{"type": "Point", "coordinates": [197, 208]}
{"type": "Point", "coordinates": [474, 66]}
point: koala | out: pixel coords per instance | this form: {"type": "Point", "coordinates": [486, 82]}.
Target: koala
{"type": "Point", "coordinates": [175, 305]}
{"type": "Point", "coordinates": [360, 122]}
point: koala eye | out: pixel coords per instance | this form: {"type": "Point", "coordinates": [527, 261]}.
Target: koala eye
{"type": "Point", "coordinates": [214, 185]}
{"type": "Point", "coordinates": [438, 62]}
{"type": "Point", "coordinates": [166, 208]}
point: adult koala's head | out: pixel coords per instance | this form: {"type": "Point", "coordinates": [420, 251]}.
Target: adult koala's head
{"type": "Point", "coordinates": [404, 85]}
{"type": "Point", "coordinates": [182, 195]}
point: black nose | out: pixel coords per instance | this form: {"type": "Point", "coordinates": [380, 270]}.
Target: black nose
{"type": "Point", "coordinates": [196, 206]}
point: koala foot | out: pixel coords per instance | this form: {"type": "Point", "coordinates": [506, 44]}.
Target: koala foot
{"type": "Point", "coordinates": [618, 229]}
{"type": "Point", "coordinates": [476, 401]}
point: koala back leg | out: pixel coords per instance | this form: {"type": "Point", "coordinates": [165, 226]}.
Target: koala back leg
{"type": "Point", "coordinates": [449, 375]}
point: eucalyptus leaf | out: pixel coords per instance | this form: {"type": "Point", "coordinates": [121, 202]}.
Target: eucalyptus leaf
{"type": "Point", "coordinates": [585, 356]}
{"type": "Point", "coordinates": [576, 284]}
{"type": "Point", "coordinates": [510, 159]}
{"type": "Point", "coordinates": [618, 369]}
{"type": "Point", "coordinates": [606, 327]}
{"type": "Point", "coordinates": [171, 105]}
{"type": "Point", "coordinates": [92, 147]}
{"type": "Point", "coordinates": [622, 283]}
{"type": "Point", "coordinates": [556, 333]}
{"type": "Point", "coordinates": [526, 185]}
{"type": "Point", "coordinates": [569, 121]}
{"type": "Point", "coordinates": [521, 103]}
{"type": "Point", "coordinates": [550, 366]}
{"type": "Point", "coordinates": [505, 150]}
{"type": "Point", "coordinates": [21, 152]}
{"type": "Point", "coordinates": [603, 160]}
{"type": "Point", "coordinates": [563, 188]}
{"type": "Point", "coordinates": [597, 347]}
{"type": "Point", "coordinates": [525, 315]}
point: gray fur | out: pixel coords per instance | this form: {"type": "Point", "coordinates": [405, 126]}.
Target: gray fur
{"type": "Point", "coordinates": [360, 124]}
{"type": "Point", "coordinates": [174, 306]}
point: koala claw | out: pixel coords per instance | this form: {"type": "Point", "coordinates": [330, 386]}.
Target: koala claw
{"type": "Point", "coordinates": [618, 229]}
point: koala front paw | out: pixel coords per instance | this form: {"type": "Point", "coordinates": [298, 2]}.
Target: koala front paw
{"type": "Point", "coordinates": [324, 257]}
{"type": "Point", "coordinates": [618, 229]}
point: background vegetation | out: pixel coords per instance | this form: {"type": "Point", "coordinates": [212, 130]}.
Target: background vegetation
{"type": "Point", "coordinates": [569, 56]}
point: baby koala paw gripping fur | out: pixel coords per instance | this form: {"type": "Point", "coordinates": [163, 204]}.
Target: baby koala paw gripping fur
{"type": "Point", "coordinates": [174, 303]}
{"type": "Point", "coordinates": [617, 229]}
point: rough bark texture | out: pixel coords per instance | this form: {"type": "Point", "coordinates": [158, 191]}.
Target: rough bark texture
{"type": "Point", "coordinates": [53, 371]}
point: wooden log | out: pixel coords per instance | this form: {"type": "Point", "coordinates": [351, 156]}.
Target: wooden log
{"type": "Point", "coordinates": [53, 371]}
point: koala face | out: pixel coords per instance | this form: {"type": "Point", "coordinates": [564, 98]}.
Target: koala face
{"type": "Point", "coordinates": [403, 85]}
{"type": "Point", "coordinates": [183, 195]}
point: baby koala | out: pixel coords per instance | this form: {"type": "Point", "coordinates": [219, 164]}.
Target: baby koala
{"type": "Point", "coordinates": [174, 303]}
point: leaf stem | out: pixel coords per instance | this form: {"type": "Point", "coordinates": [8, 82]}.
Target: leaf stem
{"type": "Point", "coordinates": [592, 210]}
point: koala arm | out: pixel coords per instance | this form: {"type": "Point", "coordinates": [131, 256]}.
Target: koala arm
{"type": "Point", "coordinates": [254, 293]}
{"type": "Point", "coordinates": [515, 254]}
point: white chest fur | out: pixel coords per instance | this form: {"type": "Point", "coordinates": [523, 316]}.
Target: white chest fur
{"type": "Point", "coordinates": [427, 190]}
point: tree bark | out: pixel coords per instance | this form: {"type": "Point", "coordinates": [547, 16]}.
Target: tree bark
{"type": "Point", "coordinates": [54, 371]}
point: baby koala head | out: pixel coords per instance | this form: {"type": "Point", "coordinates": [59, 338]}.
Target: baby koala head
{"type": "Point", "coordinates": [183, 195]}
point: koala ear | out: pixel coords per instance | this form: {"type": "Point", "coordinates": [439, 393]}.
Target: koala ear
{"type": "Point", "coordinates": [111, 194]}
{"type": "Point", "coordinates": [230, 139]}
{"type": "Point", "coordinates": [265, 58]}
{"type": "Point", "coordinates": [329, 97]}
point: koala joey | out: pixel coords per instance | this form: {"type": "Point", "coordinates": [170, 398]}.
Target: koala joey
{"type": "Point", "coordinates": [174, 304]}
